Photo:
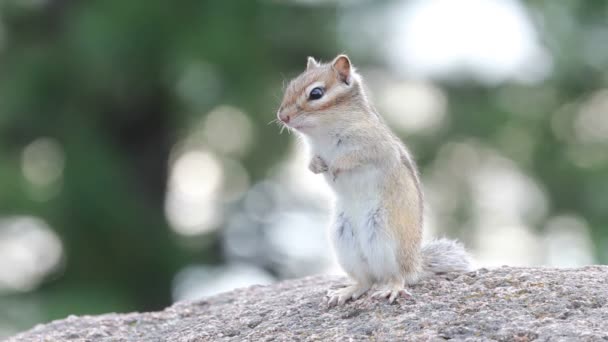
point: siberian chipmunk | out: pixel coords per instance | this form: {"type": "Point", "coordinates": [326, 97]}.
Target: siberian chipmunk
{"type": "Point", "coordinates": [377, 229]}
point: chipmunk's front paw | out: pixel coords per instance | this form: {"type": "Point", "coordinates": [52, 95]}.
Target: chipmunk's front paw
{"type": "Point", "coordinates": [317, 165]}
{"type": "Point", "coordinates": [392, 292]}
{"type": "Point", "coordinates": [341, 296]}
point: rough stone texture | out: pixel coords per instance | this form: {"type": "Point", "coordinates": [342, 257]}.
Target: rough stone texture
{"type": "Point", "coordinates": [505, 304]}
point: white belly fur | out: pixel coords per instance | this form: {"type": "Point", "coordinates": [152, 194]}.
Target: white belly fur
{"type": "Point", "coordinates": [368, 254]}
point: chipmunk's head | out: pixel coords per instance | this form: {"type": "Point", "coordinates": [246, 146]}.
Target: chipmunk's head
{"type": "Point", "coordinates": [322, 96]}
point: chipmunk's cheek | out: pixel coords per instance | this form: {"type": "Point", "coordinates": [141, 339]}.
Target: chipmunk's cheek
{"type": "Point", "coordinates": [309, 107]}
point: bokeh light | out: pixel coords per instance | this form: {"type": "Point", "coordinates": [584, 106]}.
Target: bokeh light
{"type": "Point", "coordinates": [30, 252]}
{"type": "Point", "coordinates": [195, 282]}
{"type": "Point", "coordinates": [414, 107]}
{"type": "Point", "coordinates": [192, 195]}
{"type": "Point", "coordinates": [228, 130]}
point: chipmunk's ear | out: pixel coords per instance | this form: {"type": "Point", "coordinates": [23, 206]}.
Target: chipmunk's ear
{"type": "Point", "coordinates": [312, 63]}
{"type": "Point", "coordinates": [343, 67]}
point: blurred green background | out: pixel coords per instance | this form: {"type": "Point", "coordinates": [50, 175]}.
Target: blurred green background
{"type": "Point", "coordinates": [138, 166]}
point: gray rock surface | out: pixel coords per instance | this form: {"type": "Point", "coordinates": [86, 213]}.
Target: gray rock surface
{"type": "Point", "coordinates": [504, 304]}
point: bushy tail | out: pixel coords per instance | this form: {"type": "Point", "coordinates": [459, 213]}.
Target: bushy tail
{"type": "Point", "coordinates": [443, 255]}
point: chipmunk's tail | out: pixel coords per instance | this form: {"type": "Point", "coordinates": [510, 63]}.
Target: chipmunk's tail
{"type": "Point", "coordinates": [444, 255]}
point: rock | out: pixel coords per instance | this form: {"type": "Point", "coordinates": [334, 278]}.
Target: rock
{"type": "Point", "coordinates": [504, 304]}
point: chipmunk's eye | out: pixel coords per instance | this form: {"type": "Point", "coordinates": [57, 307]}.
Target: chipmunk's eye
{"type": "Point", "coordinates": [316, 93]}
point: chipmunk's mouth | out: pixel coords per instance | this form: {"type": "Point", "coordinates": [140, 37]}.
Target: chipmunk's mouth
{"type": "Point", "coordinates": [299, 125]}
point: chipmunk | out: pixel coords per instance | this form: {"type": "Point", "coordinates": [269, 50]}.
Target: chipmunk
{"type": "Point", "coordinates": [378, 216]}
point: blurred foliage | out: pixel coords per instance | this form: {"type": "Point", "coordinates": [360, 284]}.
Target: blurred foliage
{"type": "Point", "coordinates": [99, 77]}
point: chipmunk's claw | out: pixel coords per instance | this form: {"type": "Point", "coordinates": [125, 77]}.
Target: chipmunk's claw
{"type": "Point", "coordinates": [341, 296]}
{"type": "Point", "coordinates": [392, 293]}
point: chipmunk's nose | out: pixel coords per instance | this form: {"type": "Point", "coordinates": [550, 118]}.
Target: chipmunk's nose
{"type": "Point", "coordinates": [284, 117]}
